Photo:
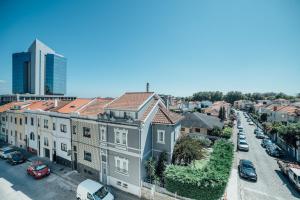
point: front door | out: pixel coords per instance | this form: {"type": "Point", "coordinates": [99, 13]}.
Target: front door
{"type": "Point", "coordinates": [104, 173]}
{"type": "Point", "coordinates": [75, 161]}
{"type": "Point", "coordinates": [47, 153]}
{"type": "Point", "coordinates": [54, 156]}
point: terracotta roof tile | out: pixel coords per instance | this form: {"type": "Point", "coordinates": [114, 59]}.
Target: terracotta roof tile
{"type": "Point", "coordinates": [130, 101]}
{"type": "Point", "coordinates": [41, 105]}
{"type": "Point", "coordinates": [74, 106]}
{"type": "Point", "coordinates": [164, 116]}
{"type": "Point", "coordinates": [8, 106]}
{"type": "Point", "coordinates": [148, 110]}
{"type": "Point", "coordinates": [96, 107]}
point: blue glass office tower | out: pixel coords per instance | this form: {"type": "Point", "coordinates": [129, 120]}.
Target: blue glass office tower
{"type": "Point", "coordinates": [40, 71]}
{"type": "Point", "coordinates": [55, 76]}
{"type": "Point", "coordinates": [21, 73]}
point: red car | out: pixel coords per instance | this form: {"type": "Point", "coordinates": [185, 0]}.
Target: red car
{"type": "Point", "coordinates": [38, 170]}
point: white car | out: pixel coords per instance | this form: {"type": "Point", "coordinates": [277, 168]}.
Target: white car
{"type": "Point", "coordinates": [243, 145]}
{"type": "Point", "coordinates": [251, 123]}
{"type": "Point", "coordinates": [5, 152]}
{"type": "Point", "coordinates": [92, 190]}
{"type": "Point", "coordinates": [242, 137]}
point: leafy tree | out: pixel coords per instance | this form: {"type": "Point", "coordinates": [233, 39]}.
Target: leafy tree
{"type": "Point", "coordinates": [233, 96]}
{"type": "Point", "coordinates": [216, 131]}
{"type": "Point", "coordinates": [187, 150]}
{"type": "Point", "coordinates": [209, 96]}
{"type": "Point", "coordinates": [150, 170]}
{"type": "Point", "coordinates": [161, 166]}
{"type": "Point", "coordinates": [264, 117]}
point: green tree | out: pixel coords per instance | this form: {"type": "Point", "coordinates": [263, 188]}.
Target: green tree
{"type": "Point", "coordinates": [187, 150]}
{"type": "Point", "coordinates": [216, 131]}
{"type": "Point", "coordinates": [264, 117]}
{"type": "Point", "coordinates": [233, 96]}
{"type": "Point", "coordinates": [150, 170]}
{"type": "Point", "coordinates": [161, 166]}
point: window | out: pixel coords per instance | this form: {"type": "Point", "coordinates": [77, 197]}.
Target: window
{"type": "Point", "coordinates": [31, 121]}
{"type": "Point", "coordinates": [21, 121]}
{"type": "Point", "coordinates": [87, 156]}
{"type": "Point", "coordinates": [15, 120]}
{"type": "Point", "coordinates": [32, 136]}
{"type": "Point", "coordinates": [161, 136]}
{"type": "Point", "coordinates": [11, 119]}
{"type": "Point", "coordinates": [54, 126]}
{"type": "Point", "coordinates": [45, 123]}
{"type": "Point", "coordinates": [46, 141]}
{"type": "Point", "coordinates": [10, 133]}
{"type": "Point", "coordinates": [63, 147]}
{"type": "Point", "coordinates": [121, 136]}
{"type": "Point", "coordinates": [74, 148]}
{"type": "Point", "coordinates": [74, 129]}
{"type": "Point", "coordinates": [197, 130]}
{"type": "Point", "coordinates": [26, 120]}
{"type": "Point", "coordinates": [38, 122]}
{"type": "Point", "coordinates": [103, 135]}
{"type": "Point", "coordinates": [20, 136]}
{"type": "Point", "coordinates": [182, 129]}
{"type": "Point", "coordinates": [121, 165]}
{"type": "Point", "coordinates": [86, 132]}
{"type": "Point", "coordinates": [3, 119]}
{"type": "Point", "coordinates": [89, 196]}
{"type": "Point", "coordinates": [63, 128]}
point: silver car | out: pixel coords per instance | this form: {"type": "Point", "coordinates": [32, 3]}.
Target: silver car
{"type": "Point", "coordinates": [243, 145]}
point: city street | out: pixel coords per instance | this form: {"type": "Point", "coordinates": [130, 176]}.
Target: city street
{"type": "Point", "coordinates": [16, 184]}
{"type": "Point", "coordinates": [271, 183]}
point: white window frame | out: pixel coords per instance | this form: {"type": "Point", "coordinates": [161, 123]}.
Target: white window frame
{"type": "Point", "coordinates": [123, 165]}
{"type": "Point", "coordinates": [121, 135]}
{"type": "Point", "coordinates": [158, 136]}
{"type": "Point", "coordinates": [103, 134]}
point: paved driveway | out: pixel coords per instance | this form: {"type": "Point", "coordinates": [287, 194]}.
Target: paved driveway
{"type": "Point", "coordinates": [271, 184]}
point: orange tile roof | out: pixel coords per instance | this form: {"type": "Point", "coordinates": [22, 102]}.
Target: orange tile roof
{"type": "Point", "coordinates": [74, 106]}
{"type": "Point", "coordinates": [148, 110]}
{"type": "Point", "coordinates": [60, 104]}
{"type": "Point", "coordinates": [41, 105]}
{"type": "Point", "coordinates": [96, 107]}
{"type": "Point", "coordinates": [164, 116]}
{"type": "Point", "coordinates": [7, 106]}
{"type": "Point", "coordinates": [130, 101]}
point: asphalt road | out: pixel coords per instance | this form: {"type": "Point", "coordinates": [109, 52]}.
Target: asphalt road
{"type": "Point", "coordinates": [16, 184]}
{"type": "Point", "coordinates": [271, 183]}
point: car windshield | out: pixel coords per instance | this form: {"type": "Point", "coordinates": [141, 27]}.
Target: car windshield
{"type": "Point", "coordinates": [101, 193]}
{"type": "Point", "coordinates": [40, 167]}
{"type": "Point", "coordinates": [243, 142]}
{"type": "Point", "coordinates": [248, 166]}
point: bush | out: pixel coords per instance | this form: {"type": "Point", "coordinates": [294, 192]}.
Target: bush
{"type": "Point", "coordinates": [207, 183]}
{"type": "Point", "coordinates": [205, 142]}
{"type": "Point", "coordinates": [226, 133]}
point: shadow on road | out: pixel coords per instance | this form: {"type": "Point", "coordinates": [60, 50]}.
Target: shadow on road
{"type": "Point", "coordinates": [288, 184]}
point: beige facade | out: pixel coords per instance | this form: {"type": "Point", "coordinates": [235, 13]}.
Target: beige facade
{"type": "Point", "coordinates": [16, 129]}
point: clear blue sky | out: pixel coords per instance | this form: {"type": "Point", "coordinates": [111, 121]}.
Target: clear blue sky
{"type": "Point", "coordinates": [180, 47]}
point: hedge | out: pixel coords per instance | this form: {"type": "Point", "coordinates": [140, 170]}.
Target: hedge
{"type": "Point", "coordinates": [204, 184]}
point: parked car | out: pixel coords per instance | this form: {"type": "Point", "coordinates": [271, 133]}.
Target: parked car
{"type": "Point", "coordinates": [248, 120]}
{"type": "Point", "coordinates": [38, 170]}
{"type": "Point", "coordinates": [89, 189]}
{"type": "Point", "coordinates": [265, 142]}
{"type": "Point", "coordinates": [251, 123]}
{"type": "Point", "coordinates": [5, 152]}
{"type": "Point", "coordinates": [256, 130]}
{"type": "Point", "coordinates": [16, 158]}
{"type": "Point", "coordinates": [240, 127]}
{"type": "Point", "coordinates": [274, 150]}
{"type": "Point", "coordinates": [292, 171]}
{"type": "Point", "coordinates": [242, 137]}
{"type": "Point", "coordinates": [260, 135]}
{"type": "Point", "coordinates": [247, 170]}
{"type": "Point", "coordinates": [243, 145]}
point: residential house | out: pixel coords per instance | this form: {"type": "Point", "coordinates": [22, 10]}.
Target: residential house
{"type": "Point", "coordinates": [199, 123]}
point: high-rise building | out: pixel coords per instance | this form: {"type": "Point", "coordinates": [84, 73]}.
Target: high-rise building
{"type": "Point", "coordinates": [39, 71]}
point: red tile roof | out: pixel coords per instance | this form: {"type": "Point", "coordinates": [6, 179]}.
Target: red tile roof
{"type": "Point", "coordinates": [74, 106]}
{"type": "Point", "coordinates": [148, 110]}
{"type": "Point", "coordinates": [95, 107]}
{"type": "Point", "coordinates": [130, 101]}
{"type": "Point", "coordinates": [164, 116]}
{"type": "Point", "coordinates": [41, 105]}
{"type": "Point", "coordinates": [8, 106]}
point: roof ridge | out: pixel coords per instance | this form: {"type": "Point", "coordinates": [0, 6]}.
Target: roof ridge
{"type": "Point", "coordinates": [166, 115]}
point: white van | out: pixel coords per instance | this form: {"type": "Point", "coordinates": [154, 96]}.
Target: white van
{"type": "Point", "coordinates": [92, 190]}
{"type": "Point", "coordinates": [294, 176]}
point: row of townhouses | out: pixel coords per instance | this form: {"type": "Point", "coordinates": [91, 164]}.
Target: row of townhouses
{"type": "Point", "coordinates": [105, 139]}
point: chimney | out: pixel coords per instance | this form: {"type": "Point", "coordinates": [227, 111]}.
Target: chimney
{"type": "Point", "coordinates": [147, 87]}
{"type": "Point", "coordinates": [55, 103]}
